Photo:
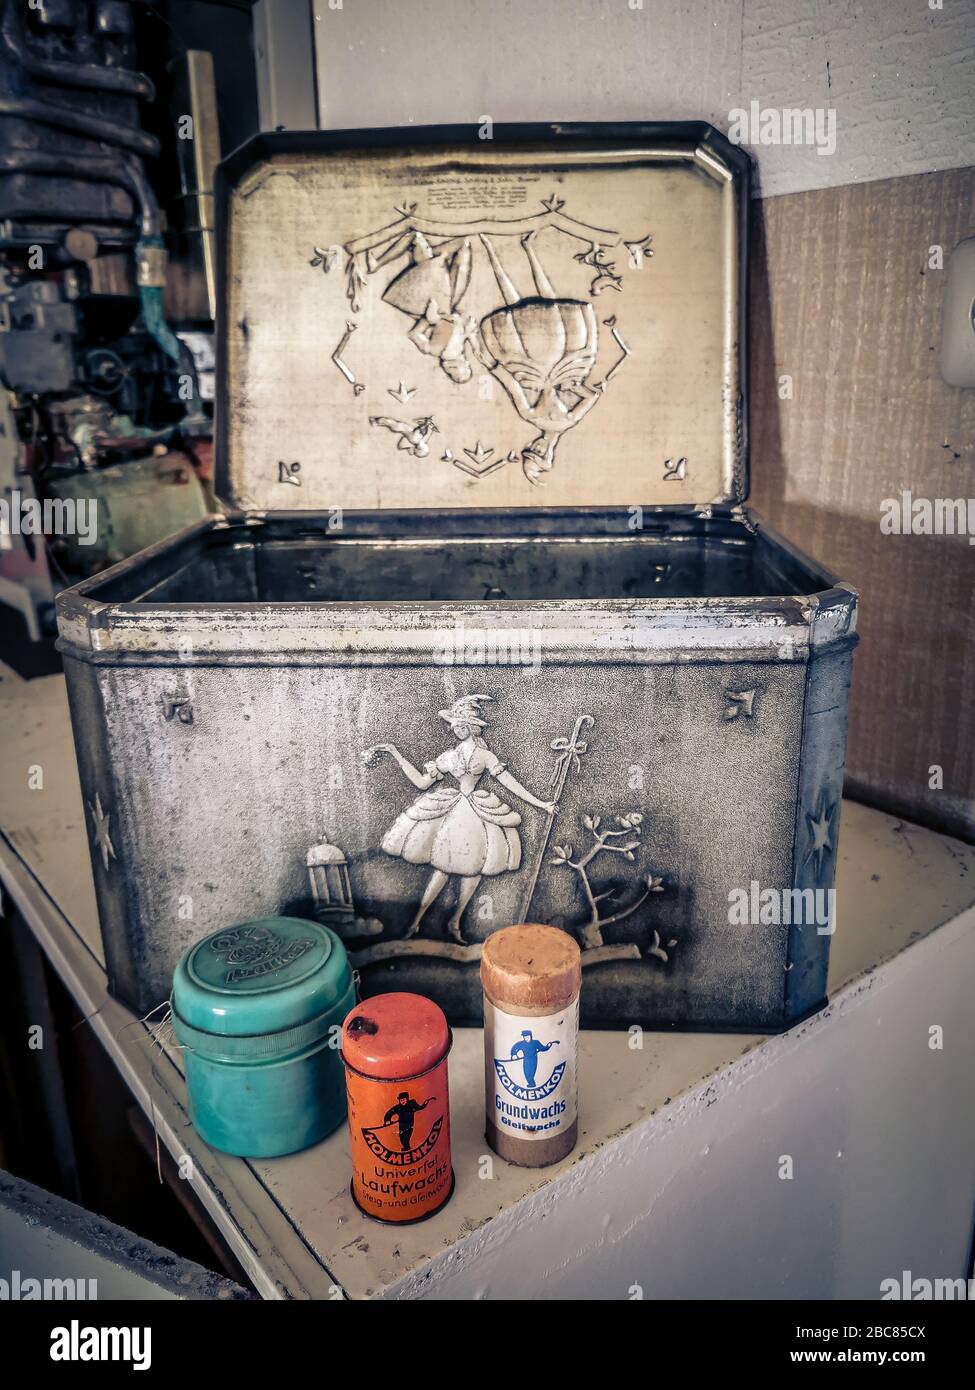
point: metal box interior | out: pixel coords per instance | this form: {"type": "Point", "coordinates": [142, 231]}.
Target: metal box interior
{"type": "Point", "coordinates": [432, 558]}
{"type": "Point", "coordinates": [620, 696]}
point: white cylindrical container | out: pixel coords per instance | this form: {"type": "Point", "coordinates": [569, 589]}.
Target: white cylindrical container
{"type": "Point", "coordinates": [531, 976]}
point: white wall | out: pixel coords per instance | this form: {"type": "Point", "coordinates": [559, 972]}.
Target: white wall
{"type": "Point", "coordinates": [880, 1127]}
{"type": "Point", "coordinates": [899, 74]}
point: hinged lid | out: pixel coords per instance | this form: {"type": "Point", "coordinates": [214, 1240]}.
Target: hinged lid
{"type": "Point", "coordinates": [429, 319]}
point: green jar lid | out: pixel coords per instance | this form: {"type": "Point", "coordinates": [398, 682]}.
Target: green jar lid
{"type": "Point", "coordinates": [260, 977]}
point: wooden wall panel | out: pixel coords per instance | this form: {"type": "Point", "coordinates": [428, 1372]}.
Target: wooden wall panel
{"type": "Point", "coordinates": [843, 301]}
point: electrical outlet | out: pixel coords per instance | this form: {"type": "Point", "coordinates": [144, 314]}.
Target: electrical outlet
{"type": "Point", "coordinates": [958, 325]}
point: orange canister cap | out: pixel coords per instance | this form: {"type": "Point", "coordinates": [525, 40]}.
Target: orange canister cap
{"type": "Point", "coordinates": [393, 1036]}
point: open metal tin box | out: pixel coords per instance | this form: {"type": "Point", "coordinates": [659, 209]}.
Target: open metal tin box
{"type": "Point", "coordinates": [490, 636]}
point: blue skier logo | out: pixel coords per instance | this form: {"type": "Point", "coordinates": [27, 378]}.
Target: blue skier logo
{"type": "Point", "coordinates": [526, 1051]}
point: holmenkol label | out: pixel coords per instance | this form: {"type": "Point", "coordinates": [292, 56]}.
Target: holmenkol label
{"type": "Point", "coordinates": [531, 1071]}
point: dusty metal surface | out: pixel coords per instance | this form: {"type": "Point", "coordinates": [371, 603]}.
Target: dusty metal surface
{"type": "Point", "coordinates": [68, 1252]}
{"type": "Point", "coordinates": [468, 322]}
{"type": "Point", "coordinates": [458, 708]}
{"type": "Point", "coordinates": [612, 766]}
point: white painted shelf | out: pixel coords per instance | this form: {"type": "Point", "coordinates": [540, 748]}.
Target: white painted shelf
{"type": "Point", "coordinates": [675, 1189]}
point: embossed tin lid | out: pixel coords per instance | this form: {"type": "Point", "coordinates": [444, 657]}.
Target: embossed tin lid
{"type": "Point", "coordinates": [432, 319]}
{"type": "Point", "coordinates": [260, 977]}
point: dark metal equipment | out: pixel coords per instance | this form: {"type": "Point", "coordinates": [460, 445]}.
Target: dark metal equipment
{"type": "Point", "coordinates": [71, 142]}
{"type": "Point", "coordinates": [91, 379]}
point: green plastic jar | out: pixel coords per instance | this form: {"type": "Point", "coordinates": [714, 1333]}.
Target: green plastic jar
{"type": "Point", "coordinates": [257, 1009]}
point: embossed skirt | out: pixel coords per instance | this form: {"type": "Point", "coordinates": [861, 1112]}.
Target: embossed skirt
{"type": "Point", "coordinates": [457, 834]}
{"type": "Point", "coordinates": [413, 289]}
{"type": "Point", "coordinates": [545, 332]}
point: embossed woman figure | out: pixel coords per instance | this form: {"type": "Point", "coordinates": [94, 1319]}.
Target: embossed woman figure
{"type": "Point", "coordinates": [541, 349]}
{"type": "Point", "coordinates": [429, 291]}
{"type": "Point", "coordinates": [460, 830]}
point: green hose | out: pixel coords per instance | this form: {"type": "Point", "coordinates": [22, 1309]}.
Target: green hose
{"type": "Point", "coordinates": [152, 248]}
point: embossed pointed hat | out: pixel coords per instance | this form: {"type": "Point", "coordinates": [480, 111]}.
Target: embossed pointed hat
{"type": "Point", "coordinates": [466, 710]}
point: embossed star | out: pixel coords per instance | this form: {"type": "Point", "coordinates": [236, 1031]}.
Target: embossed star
{"type": "Point", "coordinates": [740, 702]}
{"type": "Point", "coordinates": [639, 250]}
{"type": "Point", "coordinates": [102, 837]}
{"type": "Point", "coordinates": [820, 828]}
{"type": "Point", "coordinates": [479, 454]}
{"type": "Point", "coordinates": [403, 393]}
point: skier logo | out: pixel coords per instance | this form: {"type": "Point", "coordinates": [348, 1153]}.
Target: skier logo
{"type": "Point", "coordinates": [403, 1116]}
{"type": "Point", "coordinates": [526, 1052]}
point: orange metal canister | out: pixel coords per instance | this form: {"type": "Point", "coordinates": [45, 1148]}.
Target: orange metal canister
{"type": "Point", "coordinates": [395, 1047]}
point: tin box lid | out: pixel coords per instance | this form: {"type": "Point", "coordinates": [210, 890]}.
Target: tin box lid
{"type": "Point", "coordinates": [393, 1036]}
{"type": "Point", "coordinates": [434, 319]}
{"type": "Point", "coordinates": [261, 977]}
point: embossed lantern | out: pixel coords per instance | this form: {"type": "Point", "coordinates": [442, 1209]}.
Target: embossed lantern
{"type": "Point", "coordinates": [491, 592]}
{"type": "Point", "coordinates": [331, 890]}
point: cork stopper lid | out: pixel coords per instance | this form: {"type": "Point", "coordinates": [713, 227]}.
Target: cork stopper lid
{"type": "Point", "coordinates": [531, 969]}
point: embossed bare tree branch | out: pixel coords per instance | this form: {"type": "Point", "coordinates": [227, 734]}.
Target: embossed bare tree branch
{"type": "Point", "coordinates": [629, 833]}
